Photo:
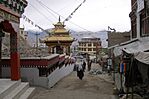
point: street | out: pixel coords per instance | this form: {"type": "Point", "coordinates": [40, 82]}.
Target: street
{"type": "Point", "coordinates": [71, 87]}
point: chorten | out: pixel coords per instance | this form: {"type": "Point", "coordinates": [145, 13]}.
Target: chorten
{"type": "Point", "coordinates": [59, 40]}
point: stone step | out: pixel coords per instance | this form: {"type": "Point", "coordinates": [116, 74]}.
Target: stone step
{"type": "Point", "coordinates": [7, 86]}
{"type": "Point", "coordinates": [28, 93]}
{"type": "Point", "coordinates": [18, 91]}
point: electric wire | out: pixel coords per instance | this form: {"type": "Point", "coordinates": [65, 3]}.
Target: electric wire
{"type": "Point", "coordinates": [62, 16]}
{"type": "Point", "coordinates": [47, 9]}
{"type": "Point", "coordinates": [40, 12]}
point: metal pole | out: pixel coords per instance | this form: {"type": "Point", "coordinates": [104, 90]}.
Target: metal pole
{"type": "Point", "coordinates": [37, 34]}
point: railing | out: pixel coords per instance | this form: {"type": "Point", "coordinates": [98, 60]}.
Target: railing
{"type": "Point", "coordinates": [46, 65]}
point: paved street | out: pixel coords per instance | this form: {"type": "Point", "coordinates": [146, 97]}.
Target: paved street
{"type": "Point", "coordinates": [70, 87]}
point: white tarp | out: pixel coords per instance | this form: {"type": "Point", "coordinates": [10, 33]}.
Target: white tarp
{"type": "Point", "coordinates": [137, 48]}
{"type": "Point", "coordinates": [134, 47]}
{"type": "Point", "coordinates": [129, 48]}
{"type": "Point", "coordinates": [142, 57]}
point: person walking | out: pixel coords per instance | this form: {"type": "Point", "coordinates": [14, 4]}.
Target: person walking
{"type": "Point", "coordinates": [109, 63]}
{"type": "Point", "coordinates": [84, 65]}
{"type": "Point", "coordinates": [80, 72]}
{"type": "Point", "coordinates": [101, 63]}
{"type": "Point", "coordinates": [89, 65]}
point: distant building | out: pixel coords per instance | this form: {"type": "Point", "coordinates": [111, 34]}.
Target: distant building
{"type": "Point", "coordinates": [90, 45]}
{"type": "Point", "coordinates": [23, 33]}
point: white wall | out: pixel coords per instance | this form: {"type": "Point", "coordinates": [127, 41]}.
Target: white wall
{"type": "Point", "coordinates": [6, 72]}
{"type": "Point", "coordinates": [58, 74]}
{"type": "Point", "coordinates": [31, 75]}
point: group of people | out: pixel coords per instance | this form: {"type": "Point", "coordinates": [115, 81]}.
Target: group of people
{"type": "Point", "coordinates": [106, 64]}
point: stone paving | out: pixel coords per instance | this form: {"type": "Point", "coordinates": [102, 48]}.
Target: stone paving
{"type": "Point", "coordinates": [71, 87]}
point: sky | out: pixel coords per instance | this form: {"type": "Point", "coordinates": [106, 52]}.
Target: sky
{"type": "Point", "coordinates": [93, 15]}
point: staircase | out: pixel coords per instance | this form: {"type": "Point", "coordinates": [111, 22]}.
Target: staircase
{"type": "Point", "coordinates": [15, 89]}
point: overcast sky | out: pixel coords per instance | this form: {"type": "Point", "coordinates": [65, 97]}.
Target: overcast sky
{"type": "Point", "coordinates": [93, 15]}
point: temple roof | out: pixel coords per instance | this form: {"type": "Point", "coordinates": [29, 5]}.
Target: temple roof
{"type": "Point", "coordinates": [58, 38]}
{"type": "Point", "coordinates": [59, 24]}
{"type": "Point", "coordinates": [59, 33]}
{"type": "Point", "coordinates": [59, 28]}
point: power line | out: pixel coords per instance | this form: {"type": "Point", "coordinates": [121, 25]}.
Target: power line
{"type": "Point", "coordinates": [70, 16]}
{"type": "Point", "coordinates": [32, 23]}
{"type": "Point", "coordinates": [41, 13]}
{"type": "Point", "coordinates": [67, 5]}
{"type": "Point", "coordinates": [62, 16]}
{"type": "Point", "coordinates": [47, 10]}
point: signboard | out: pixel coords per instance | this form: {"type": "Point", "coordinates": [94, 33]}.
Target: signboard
{"type": "Point", "coordinates": [140, 4]}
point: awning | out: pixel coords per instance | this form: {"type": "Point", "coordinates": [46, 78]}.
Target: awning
{"type": "Point", "coordinates": [143, 57]}
{"type": "Point", "coordinates": [139, 48]}
{"type": "Point", "coordinates": [133, 47]}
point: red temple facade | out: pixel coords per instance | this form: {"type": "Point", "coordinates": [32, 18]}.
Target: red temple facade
{"type": "Point", "coordinates": [10, 13]}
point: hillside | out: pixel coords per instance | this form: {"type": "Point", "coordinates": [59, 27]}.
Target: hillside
{"type": "Point", "coordinates": [74, 34]}
{"type": "Point", "coordinates": [28, 47]}
{"type": "Point", "coordinates": [23, 47]}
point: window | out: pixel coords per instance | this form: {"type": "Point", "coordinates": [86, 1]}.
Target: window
{"type": "Point", "coordinates": [21, 32]}
{"type": "Point", "coordinates": [89, 44]}
{"type": "Point", "coordinates": [94, 44]}
{"type": "Point", "coordinates": [94, 49]}
{"type": "Point", "coordinates": [144, 20]}
{"type": "Point", "coordinates": [89, 49]}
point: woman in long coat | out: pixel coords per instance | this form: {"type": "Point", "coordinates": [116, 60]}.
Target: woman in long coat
{"type": "Point", "coordinates": [80, 72]}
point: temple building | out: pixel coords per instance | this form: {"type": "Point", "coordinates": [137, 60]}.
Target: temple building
{"type": "Point", "coordinates": [10, 13]}
{"type": "Point", "coordinates": [59, 40]}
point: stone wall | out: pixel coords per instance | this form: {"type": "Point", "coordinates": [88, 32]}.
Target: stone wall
{"type": "Point", "coordinates": [115, 38]}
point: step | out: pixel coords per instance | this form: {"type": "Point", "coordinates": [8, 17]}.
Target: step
{"type": "Point", "coordinates": [28, 93]}
{"type": "Point", "coordinates": [18, 91]}
{"type": "Point", "coordinates": [7, 85]}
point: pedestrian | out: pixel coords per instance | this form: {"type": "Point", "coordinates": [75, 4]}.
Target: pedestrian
{"type": "Point", "coordinates": [109, 63]}
{"type": "Point", "coordinates": [84, 65]}
{"type": "Point", "coordinates": [89, 65]}
{"type": "Point", "coordinates": [80, 72]}
{"type": "Point", "coordinates": [101, 64]}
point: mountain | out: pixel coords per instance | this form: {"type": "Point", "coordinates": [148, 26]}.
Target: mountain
{"type": "Point", "coordinates": [32, 35]}
{"type": "Point", "coordinates": [100, 34]}
{"type": "Point", "coordinates": [75, 34]}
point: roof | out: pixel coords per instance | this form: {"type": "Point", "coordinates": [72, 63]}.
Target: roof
{"type": "Point", "coordinates": [60, 30]}
{"type": "Point", "coordinates": [140, 45]}
{"type": "Point", "coordinates": [142, 57]}
{"type": "Point", "coordinates": [58, 38]}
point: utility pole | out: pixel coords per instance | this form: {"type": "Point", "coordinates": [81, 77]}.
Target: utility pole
{"type": "Point", "coordinates": [37, 34]}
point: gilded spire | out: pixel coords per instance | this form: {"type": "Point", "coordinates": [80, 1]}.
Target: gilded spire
{"type": "Point", "coordinates": [59, 19]}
